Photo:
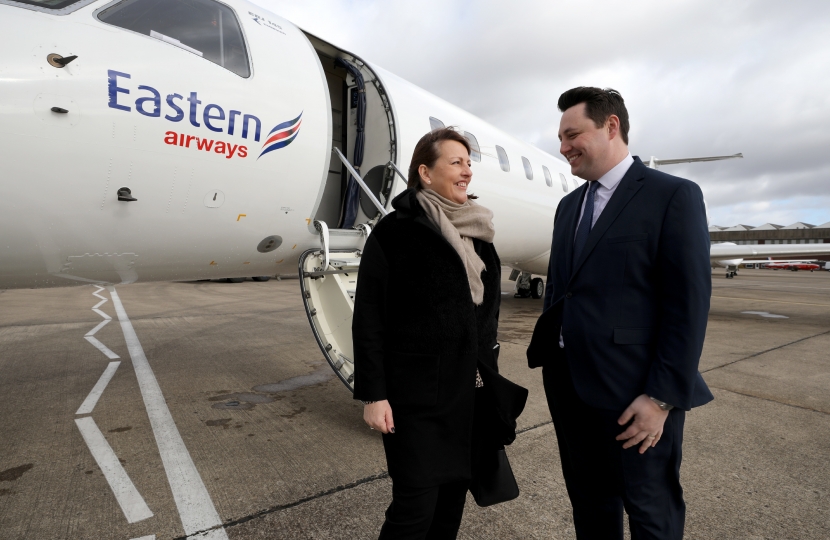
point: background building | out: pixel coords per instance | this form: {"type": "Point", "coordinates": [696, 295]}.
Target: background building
{"type": "Point", "coordinates": [770, 233]}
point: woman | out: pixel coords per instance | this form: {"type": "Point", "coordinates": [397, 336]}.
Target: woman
{"type": "Point", "coordinates": [425, 319]}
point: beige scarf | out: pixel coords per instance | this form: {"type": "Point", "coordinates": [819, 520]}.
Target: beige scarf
{"type": "Point", "coordinates": [460, 223]}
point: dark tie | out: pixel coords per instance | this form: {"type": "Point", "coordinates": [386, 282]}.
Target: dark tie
{"type": "Point", "coordinates": [584, 228]}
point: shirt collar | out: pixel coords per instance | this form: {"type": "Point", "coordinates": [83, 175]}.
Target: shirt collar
{"type": "Point", "coordinates": [613, 177]}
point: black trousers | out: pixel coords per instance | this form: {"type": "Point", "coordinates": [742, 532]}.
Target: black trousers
{"type": "Point", "coordinates": [602, 478]}
{"type": "Point", "coordinates": [431, 513]}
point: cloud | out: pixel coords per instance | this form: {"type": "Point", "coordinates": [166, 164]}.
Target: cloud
{"type": "Point", "coordinates": [700, 77]}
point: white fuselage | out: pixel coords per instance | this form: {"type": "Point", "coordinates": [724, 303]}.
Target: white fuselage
{"type": "Point", "coordinates": [142, 112]}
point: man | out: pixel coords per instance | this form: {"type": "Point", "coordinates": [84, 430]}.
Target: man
{"type": "Point", "coordinates": [625, 314]}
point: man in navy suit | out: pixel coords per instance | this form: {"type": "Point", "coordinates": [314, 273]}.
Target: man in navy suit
{"type": "Point", "coordinates": [620, 338]}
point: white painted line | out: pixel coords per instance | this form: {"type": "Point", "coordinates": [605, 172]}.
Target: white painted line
{"type": "Point", "coordinates": [100, 325]}
{"type": "Point", "coordinates": [151, 537]}
{"type": "Point", "coordinates": [93, 397]}
{"type": "Point", "coordinates": [99, 304]}
{"type": "Point", "coordinates": [101, 347]}
{"type": "Point", "coordinates": [101, 313]}
{"type": "Point", "coordinates": [192, 498]}
{"type": "Point", "coordinates": [765, 314]}
{"type": "Point", "coordinates": [97, 291]}
{"type": "Point", "coordinates": [128, 497]}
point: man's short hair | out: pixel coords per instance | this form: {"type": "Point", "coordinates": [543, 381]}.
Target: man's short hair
{"type": "Point", "coordinates": [600, 103]}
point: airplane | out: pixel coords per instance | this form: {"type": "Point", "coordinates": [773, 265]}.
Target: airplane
{"type": "Point", "coordinates": [791, 265]}
{"type": "Point", "coordinates": [149, 141]}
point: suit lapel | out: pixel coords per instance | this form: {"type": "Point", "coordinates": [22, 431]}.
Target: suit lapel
{"type": "Point", "coordinates": [629, 185]}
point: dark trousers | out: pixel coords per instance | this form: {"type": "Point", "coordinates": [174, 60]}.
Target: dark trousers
{"type": "Point", "coordinates": [602, 478]}
{"type": "Point", "coordinates": [432, 513]}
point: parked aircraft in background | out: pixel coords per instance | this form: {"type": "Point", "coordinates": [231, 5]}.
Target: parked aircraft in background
{"type": "Point", "coordinates": [791, 265]}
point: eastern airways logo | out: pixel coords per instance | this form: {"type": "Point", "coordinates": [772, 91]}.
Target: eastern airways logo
{"type": "Point", "coordinates": [213, 117]}
{"type": "Point", "coordinates": [282, 135]}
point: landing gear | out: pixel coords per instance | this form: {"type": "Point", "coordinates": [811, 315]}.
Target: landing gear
{"type": "Point", "coordinates": [527, 287]}
{"type": "Point", "coordinates": [730, 275]}
{"type": "Point", "coordinates": [537, 288]}
{"type": "Point", "coordinates": [261, 278]}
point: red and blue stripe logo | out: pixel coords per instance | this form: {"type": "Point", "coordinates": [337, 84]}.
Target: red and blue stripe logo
{"type": "Point", "coordinates": [282, 135]}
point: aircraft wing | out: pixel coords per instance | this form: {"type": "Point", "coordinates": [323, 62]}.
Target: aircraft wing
{"type": "Point", "coordinates": [694, 160]}
{"type": "Point", "coordinates": [720, 252]}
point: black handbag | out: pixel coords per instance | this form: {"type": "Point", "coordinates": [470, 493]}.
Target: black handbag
{"type": "Point", "coordinates": [496, 484]}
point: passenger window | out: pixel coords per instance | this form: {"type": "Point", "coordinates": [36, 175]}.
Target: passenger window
{"type": "Point", "coordinates": [435, 124]}
{"type": "Point", "coordinates": [548, 179]}
{"type": "Point", "coordinates": [475, 151]}
{"type": "Point", "coordinates": [564, 182]}
{"type": "Point", "coordinates": [503, 161]}
{"type": "Point", "coordinates": [203, 27]}
{"type": "Point", "coordinates": [576, 183]}
{"type": "Point", "coordinates": [528, 168]}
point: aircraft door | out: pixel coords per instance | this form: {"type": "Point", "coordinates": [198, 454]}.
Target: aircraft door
{"type": "Point", "coordinates": [364, 131]}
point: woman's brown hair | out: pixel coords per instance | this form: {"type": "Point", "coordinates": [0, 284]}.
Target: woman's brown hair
{"type": "Point", "coordinates": [428, 150]}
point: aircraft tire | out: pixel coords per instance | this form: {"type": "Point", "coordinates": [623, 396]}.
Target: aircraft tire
{"type": "Point", "coordinates": [537, 288]}
{"type": "Point", "coordinates": [261, 278]}
{"type": "Point", "coordinates": [235, 279]}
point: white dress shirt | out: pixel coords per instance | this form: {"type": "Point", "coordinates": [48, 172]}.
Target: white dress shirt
{"type": "Point", "coordinates": [607, 185]}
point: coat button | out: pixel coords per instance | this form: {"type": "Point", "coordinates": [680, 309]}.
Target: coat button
{"type": "Point", "coordinates": [568, 295]}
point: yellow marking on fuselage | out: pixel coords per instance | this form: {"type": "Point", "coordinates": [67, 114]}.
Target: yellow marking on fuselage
{"type": "Point", "coordinates": [240, 216]}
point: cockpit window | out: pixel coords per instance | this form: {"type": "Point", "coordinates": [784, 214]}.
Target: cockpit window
{"type": "Point", "coordinates": [203, 27]}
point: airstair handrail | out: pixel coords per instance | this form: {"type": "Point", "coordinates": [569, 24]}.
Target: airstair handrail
{"type": "Point", "coordinates": [397, 170]}
{"type": "Point", "coordinates": [360, 181]}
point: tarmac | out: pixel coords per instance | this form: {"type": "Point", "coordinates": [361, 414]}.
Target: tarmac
{"type": "Point", "coordinates": [267, 443]}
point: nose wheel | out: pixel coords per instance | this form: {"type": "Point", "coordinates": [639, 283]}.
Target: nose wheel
{"type": "Point", "coordinates": [527, 287]}
{"type": "Point", "coordinates": [537, 288]}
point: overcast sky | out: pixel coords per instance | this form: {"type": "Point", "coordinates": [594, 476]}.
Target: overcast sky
{"type": "Point", "coordinates": [700, 78]}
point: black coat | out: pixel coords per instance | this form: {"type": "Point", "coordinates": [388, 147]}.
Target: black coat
{"type": "Point", "coordinates": [418, 339]}
{"type": "Point", "coordinates": [633, 308]}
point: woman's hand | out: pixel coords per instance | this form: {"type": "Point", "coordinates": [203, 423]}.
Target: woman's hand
{"type": "Point", "coordinates": [378, 415]}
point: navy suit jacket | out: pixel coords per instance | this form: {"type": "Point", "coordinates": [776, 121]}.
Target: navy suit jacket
{"type": "Point", "coordinates": [633, 308]}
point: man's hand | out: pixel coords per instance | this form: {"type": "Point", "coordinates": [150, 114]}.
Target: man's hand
{"type": "Point", "coordinates": [647, 427]}
{"type": "Point", "coordinates": [378, 416]}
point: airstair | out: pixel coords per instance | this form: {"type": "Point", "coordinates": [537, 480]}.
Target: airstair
{"type": "Point", "coordinates": [328, 281]}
